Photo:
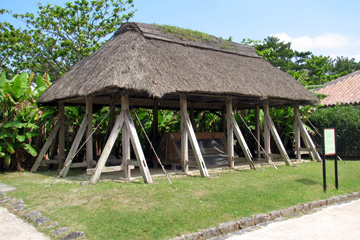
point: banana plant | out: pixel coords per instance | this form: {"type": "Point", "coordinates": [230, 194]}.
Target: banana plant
{"type": "Point", "coordinates": [19, 115]}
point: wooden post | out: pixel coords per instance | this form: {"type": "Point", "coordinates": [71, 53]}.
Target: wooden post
{"type": "Point", "coordinates": [137, 148]}
{"type": "Point", "coordinates": [241, 139]}
{"type": "Point", "coordinates": [308, 147]}
{"type": "Point", "coordinates": [258, 130]}
{"type": "Point", "coordinates": [107, 149]}
{"type": "Point", "coordinates": [184, 136]}
{"type": "Point", "coordinates": [267, 134]}
{"type": "Point", "coordinates": [61, 135]}
{"type": "Point", "coordinates": [125, 141]}
{"type": "Point", "coordinates": [89, 138]}
{"type": "Point", "coordinates": [269, 125]}
{"type": "Point", "coordinates": [278, 141]}
{"type": "Point", "coordinates": [307, 139]}
{"type": "Point", "coordinates": [75, 145]}
{"type": "Point", "coordinates": [297, 133]}
{"type": "Point", "coordinates": [192, 137]}
{"type": "Point", "coordinates": [46, 146]}
{"type": "Point", "coordinates": [196, 148]}
{"type": "Point", "coordinates": [230, 133]}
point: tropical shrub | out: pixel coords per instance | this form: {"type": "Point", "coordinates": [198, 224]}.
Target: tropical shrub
{"type": "Point", "coordinates": [346, 121]}
{"type": "Point", "coordinates": [20, 118]}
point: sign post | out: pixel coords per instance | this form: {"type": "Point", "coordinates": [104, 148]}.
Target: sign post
{"type": "Point", "coordinates": [329, 148]}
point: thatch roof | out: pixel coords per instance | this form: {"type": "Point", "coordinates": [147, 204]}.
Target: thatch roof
{"type": "Point", "coordinates": [343, 90]}
{"type": "Point", "coordinates": [145, 62]}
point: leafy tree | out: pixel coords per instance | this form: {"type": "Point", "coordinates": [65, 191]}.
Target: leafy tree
{"type": "Point", "coordinates": [318, 68]}
{"type": "Point", "coordinates": [60, 36]}
{"type": "Point", "coordinates": [11, 45]}
{"type": "Point", "coordinates": [343, 65]}
{"type": "Point", "coordinates": [308, 69]}
{"type": "Point", "coordinates": [281, 55]}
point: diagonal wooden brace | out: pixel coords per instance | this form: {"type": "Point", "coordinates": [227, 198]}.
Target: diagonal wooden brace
{"type": "Point", "coordinates": [241, 139]}
{"type": "Point", "coordinates": [107, 149]}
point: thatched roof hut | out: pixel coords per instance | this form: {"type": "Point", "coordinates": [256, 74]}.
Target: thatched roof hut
{"type": "Point", "coordinates": [145, 65]}
{"type": "Point", "coordinates": [145, 62]}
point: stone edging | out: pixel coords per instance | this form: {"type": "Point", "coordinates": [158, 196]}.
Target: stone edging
{"type": "Point", "coordinates": [19, 208]}
{"type": "Point", "coordinates": [263, 218]}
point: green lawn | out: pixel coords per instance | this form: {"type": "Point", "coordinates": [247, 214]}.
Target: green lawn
{"type": "Point", "coordinates": [112, 210]}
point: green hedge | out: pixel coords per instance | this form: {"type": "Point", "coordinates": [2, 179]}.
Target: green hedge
{"type": "Point", "coordinates": [346, 120]}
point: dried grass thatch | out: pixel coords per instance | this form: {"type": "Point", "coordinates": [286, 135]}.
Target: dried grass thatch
{"type": "Point", "coordinates": [144, 62]}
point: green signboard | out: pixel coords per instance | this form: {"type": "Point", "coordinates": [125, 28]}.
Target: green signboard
{"type": "Point", "coordinates": [329, 140]}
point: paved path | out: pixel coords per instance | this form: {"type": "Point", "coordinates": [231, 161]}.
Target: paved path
{"type": "Point", "coordinates": [331, 223]}
{"type": "Point", "coordinates": [6, 188]}
{"type": "Point", "coordinates": [14, 228]}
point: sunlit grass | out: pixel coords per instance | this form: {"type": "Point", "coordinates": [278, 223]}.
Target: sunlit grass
{"type": "Point", "coordinates": [112, 210]}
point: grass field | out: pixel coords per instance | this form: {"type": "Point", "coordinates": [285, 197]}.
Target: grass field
{"type": "Point", "coordinates": [112, 210]}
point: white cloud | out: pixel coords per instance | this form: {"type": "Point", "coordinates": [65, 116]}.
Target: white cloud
{"type": "Point", "coordinates": [330, 44]}
{"type": "Point", "coordinates": [356, 56]}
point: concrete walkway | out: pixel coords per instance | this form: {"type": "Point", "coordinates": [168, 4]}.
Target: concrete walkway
{"type": "Point", "coordinates": [13, 227]}
{"type": "Point", "coordinates": [331, 223]}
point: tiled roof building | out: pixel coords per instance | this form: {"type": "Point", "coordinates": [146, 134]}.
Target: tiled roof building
{"type": "Point", "coordinates": [344, 90]}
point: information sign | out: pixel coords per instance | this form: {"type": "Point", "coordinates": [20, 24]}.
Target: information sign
{"type": "Point", "coordinates": [329, 140]}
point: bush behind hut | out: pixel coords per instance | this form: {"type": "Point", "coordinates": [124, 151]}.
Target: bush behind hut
{"type": "Point", "coordinates": [346, 121]}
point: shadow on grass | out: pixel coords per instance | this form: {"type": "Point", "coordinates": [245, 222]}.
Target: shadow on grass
{"type": "Point", "coordinates": [307, 181]}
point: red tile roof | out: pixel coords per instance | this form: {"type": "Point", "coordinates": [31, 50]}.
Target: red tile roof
{"type": "Point", "coordinates": [344, 90]}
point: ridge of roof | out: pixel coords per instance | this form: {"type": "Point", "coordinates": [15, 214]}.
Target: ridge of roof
{"type": "Point", "coordinates": [341, 78]}
{"type": "Point", "coordinates": [153, 31]}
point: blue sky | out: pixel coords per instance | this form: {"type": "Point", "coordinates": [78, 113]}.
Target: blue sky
{"type": "Point", "coordinates": [325, 27]}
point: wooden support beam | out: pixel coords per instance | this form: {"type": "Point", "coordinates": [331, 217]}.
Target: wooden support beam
{"type": "Point", "coordinates": [81, 164]}
{"type": "Point", "coordinates": [184, 136]}
{"type": "Point", "coordinates": [193, 141]}
{"type": "Point", "coordinates": [307, 139]}
{"type": "Point", "coordinates": [75, 146]}
{"type": "Point", "coordinates": [112, 118]}
{"type": "Point", "coordinates": [192, 164]}
{"type": "Point", "coordinates": [91, 171]}
{"type": "Point", "coordinates": [46, 146]}
{"type": "Point", "coordinates": [230, 133]}
{"type": "Point", "coordinates": [258, 131]}
{"type": "Point", "coordinates": [89, 138]}
{"type": "Point", "coordinates": [107, 149]}
{"type": "Point", "coordinates": [277, 139]}
{"type": "Point", "coordinates": [125, 142]}
{"type": "Point", "coordinates": [297, 133]}
{"type": "Point", "coordinates": [137, 148]}
{"type": "Point", "coordinates": [195, 146]}
{"type": "Point", "coordinates": [241, 139]}
{"type": "Point", "coordinates": [267, 136]}
{"type": "Point", "coordinates": [61, 135]}
{"type": "Point", "coordinates": [124, 120]}
{"type": "Point", "coordinates": [307, 145]}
